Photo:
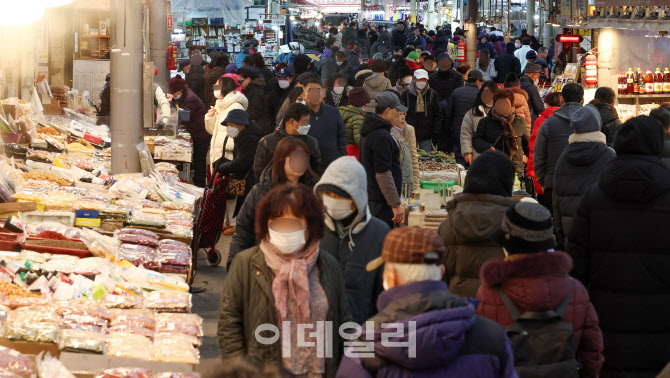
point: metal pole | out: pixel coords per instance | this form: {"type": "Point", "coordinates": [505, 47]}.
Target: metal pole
{"type": "Point", "coordinates": [454, 10]}
{"type": "Point", "coordinates": [126, 84]}
{"type": "Point", "coordinates": [471, 35]}
{"type": "Point", "coordinates": [158, 39]}
{"type": "Point", "coordinates": [413, 7]}
{"type": "Point", "coordinates": [530, 16]}
{"type": "Point", "coordinates": [462, 15]}
{"type": "Point", "coordinates": [431, 14]}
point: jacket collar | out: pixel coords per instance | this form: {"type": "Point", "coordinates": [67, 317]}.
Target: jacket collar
{"type": "Point", "coordinates": [496, 272]}
{"type": "Point", "coordinates": [402, 291]}
{"type": "Point", "coordinates": [594, 136]}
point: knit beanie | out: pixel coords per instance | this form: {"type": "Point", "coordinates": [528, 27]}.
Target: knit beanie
{"type": "Point", "coordinates": [512, 81]}
{"type": "Point", "coordinates": [526, 228]}
{"type": "Point", "coordinates": [404, 71]}
{"type": "Point", "coordinates": [358, 97]}
{"type": "Point", "coordinates": [301, 63]}
{"type": "Point", "coordinates": [413, 56]}
{"type": "Point", "coordinates": [586, 120]}
{"type": "Point", "coordinates": [490, 173]}
{"type": "Point", "coordinates": [231, 68]}
{"type": "Point", "coordinates": [176, 84]}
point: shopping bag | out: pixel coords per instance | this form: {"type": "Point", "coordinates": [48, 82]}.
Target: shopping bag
{"type": "Point", "coordinates": [212, 212]}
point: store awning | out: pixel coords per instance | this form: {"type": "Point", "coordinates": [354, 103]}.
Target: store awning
{"type": "Point", "coordinates": [653, 25]}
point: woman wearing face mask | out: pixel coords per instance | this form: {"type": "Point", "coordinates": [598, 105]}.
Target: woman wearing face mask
{"type": "Point", "coordinates": [405, 136]}
{"type": "Point", "coordinates": [483, 103]}
{"type": "Point", "coordinates": [503, 130]}
{"type": "Point", "coordinates": [290, 164]}
{"type": "Point", "coordinates": [353, 116]}
{"type": "Point", "coordinates": [352, 234]}
{"type": "Point", "coordinates": [404, 79]}
{"type": "Point", "coordinates": [285, 281]}
{"type": "Point", "coordinates": [336, 91]}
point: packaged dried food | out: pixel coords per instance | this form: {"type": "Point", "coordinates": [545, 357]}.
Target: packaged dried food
{"type": "Point", "coordinates": [163, 301]}
{"type": "Point", "coordinates": [54, 142]}
{"type": "Point", "coordinates": [175, 348]}
{"type": "Point", "coordinates": [83, 319]}
{"type": "Point", "coordinates": [177, 206]}
{"type": "Point", "coordinates": [179, 223]}
{"type": "Point", "coordinates": [174, 269]}
{"type": "Point", "coordinates": [92, 203]}
{"type": "Point", "coordinates": [138, 255]}
{"type": "Point", "coordinates": [125, 373]}
{"type": "Point", "coordinates": [32, 331]}
{"type": "Point", "coordinates": [137, 231]}
{"type": "Point", "coordinates": [121, 301]}
{"type": "Point", "coordinates": [178, 375]}
{"type": "Point", "coordinates": [30, 194]}
{"type": "Point", "coordinates": [179, 214]}
{"type": "Point", "coordinates": [16, 362]}
{"type": "Point", "coordinates": [46, 176]}
{"type": "Point", "coordinates": [135, 318]}
{"type": "Point", "coordinates": [137, 239]}
{"type": "Point", "coordinates": [187, 324]}
{"type": "Point", "coordinates": [82, 341]}
{"type": "Point", "coordinates": [131, 345]}
{"type": "Point", "coordinates": [63, 264]}
{"type": "Point", "coordinates": [174, 256]}
{"type": "Point", "coordinates": [17, 302]}
{"type": "Point", "coordinates": [90, 266]}
{"type": "Point", "coordinates": [5, 192]}
{"type": "Point", "coordinates": [104, 193]}
{"type": "Point", "coordinates": [181, 231]}
{"type": "Point", "coordinates": [139, 218]}
{"type": "Point", "coordinates": [4, 313]}
{"type": "Point", "coordinates": [35, 257]}
{"type": "Point", "coordinates": [39, 155]}
{"type": "Point", "coordinates": [41, 184]}
{"type": "Point", "coordinates": [70, 189]}
{"type": "Point", "coordinates": [195, 341]}
{"type": "Point", "coordinates": [59, 201]}
{"type": "Point", "coordinates": [172, 242]}
{"type": "Point", "coordinates": [37, 314]}
{"type": "Point", "coordinates": [11, 290]}
{"type": "Point", "coordinates": [115, 212]}
{"type": "Point", "coordinates": [51, 367]}
{"type": "Point", "coordinates": [15, 150]}
{"type": "Point", "coordinates": [84, 327]}
{"type": "Point", "coordinates": [132, 329]}
{"type": "Point", "coordinates": [8, 374]}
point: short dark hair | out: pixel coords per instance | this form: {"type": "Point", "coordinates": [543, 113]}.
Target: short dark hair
{"type": "Point", "coordinates": [605, 94]}
{"type": "Point", "coordinates": [379, 65]}
{"type": "Point", "coordinates": [542, 50]}
{"type": "Point", "coordinates": [345, 23]}
{"type": "Point", "coordinates": [248, 60]}
{"type": "Point", "coordinates": [504, 93]}
{"type": "Point", "coordinates": [221, 61]}
{"type": "Point", "coordinates": [662, 115]}
{"type": "Point", "coordinates": [493, 39]}
{"type": "Point", "coordinates": [525, 40]}
{"type": "Point", "coordinates": [363, 66]}
{"type": "Point", "coordinates": [573, 92]}
{"type": "Point", "coordinates": [463, 68]}
{"type": "Point", "coordinates": [340, 55]}
{"type": "Point", "coordinates": [296, 111]}
{"type": "Point", "coordinates": [331, 41]}
{"type": "Point", "coordinates": [313, 79]}
{"type": "Point", "coordinates": [246, 72]}
{"type": "Point", "coordinates": [334, 50]}
{"type": "Point", "coordinates": [553, 99]}
{"type": "Point", "coordinates": [333, 31]}
{"type": "Point", "coordinates": [293, 95]}
{"type": "Point", "coordinates": [259, 62]}
{"type": "Point", "coordinates": [306, 77]}
{"type": "Point", "coordinates": [227, 85]}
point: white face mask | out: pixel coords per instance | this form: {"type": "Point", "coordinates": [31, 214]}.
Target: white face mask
{"type": "Point", "coordinates": [232, 131]}
{"type": "Point", "coordinates": [283, 84]}
{"type": "Point", "coordinates": [407, 80]}
{"type": "Point", "coordinates": [217, 94]}
{"type": "Point", "coordinates": [303, 130]}
{"type": "Point", "coordinates": [338, 208]}
{"type": "Point", "coordinates": [421, 84]}
{"type": "Point", "coordinates": [302, 102]}
{"type": "Point", "coordinates": [338, 90]}
{"type": "Point", "coordinates": [536, 82]}
{"type": "Point", "coordinates": [177, 97]}
{"type": "Point", "coordinates": [339, 63]}
{"type": "Point", "coordinates": [287, 242]}
{"type": "Point", "coordinates": [517, 45]}
{"type": "Point", "coordinates": [385, 285]}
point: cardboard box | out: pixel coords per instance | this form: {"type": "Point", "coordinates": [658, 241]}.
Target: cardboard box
{"type": "Point", "coordinates": [80, 363]}
{"type": "Point", "coordinates": [87, 222]}
{"type": "Point", "coordinates": [17, 206]}
{"type": "Point", "coordinates": [28, 348]}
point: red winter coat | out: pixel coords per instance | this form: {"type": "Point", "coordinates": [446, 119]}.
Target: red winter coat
{"type": "Point", "coordinates": [530, 166]}
{"type": "Point", "coordinates": [540, 282]}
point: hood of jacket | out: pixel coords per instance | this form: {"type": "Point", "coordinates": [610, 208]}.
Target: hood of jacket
{"type": "Point", "coordinates": [373, 122]}
{"type": "Point", "coordinates": [375, 80]}
{"type": "Point", "coordinates": [224, 103]}
{"type": "Point", "coordinates": [349, 111]}
{"type": "Point", "coordinates": [483, 35]}
{"type": "Point", "coordinates": [441, 318]}
{"type": "Point", "coordinates": [537, 280]}
{"type": "Point", "coordinates": [607, 112]}
{"type": "Point", "coordinates": [548, 112]}
{"type": "Point", "coordinates": [566, 111]}
{"type": "Point", "coordinates": [259, 81]}
{"type": "Point", "coordinates": [475, 217]}
{"type": "Point", "coordinates": [584, 153]}
{"type": "Point", "coordinates": [384, 38]}
{"type": "Point", "coordinates": [362, 72]}
{"type": "Point", "coordinates": [520, 97]}
{"type": "Point", "coordinates": [349, 175]}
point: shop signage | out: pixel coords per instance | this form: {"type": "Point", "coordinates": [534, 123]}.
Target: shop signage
{"type": "Point", "coordinates": [569, 38]}
{"type": "Point", "coordinates": [169, 21]}
{"type": "Point", "coordinates": [278, 20]}
{"type": "Point", "coordinates": [632, 3]}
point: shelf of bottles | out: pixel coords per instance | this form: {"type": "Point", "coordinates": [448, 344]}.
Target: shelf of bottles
{"type": "Point", "coordinates": [644, 84]}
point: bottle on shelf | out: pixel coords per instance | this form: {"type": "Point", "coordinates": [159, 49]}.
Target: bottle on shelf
{"type": "Point", "coordinates": [630, 79]}
{"type": "Point", "coordinates": [649, 82]}
{"type": "Point", "coordinates": [641, 80]}
{"type": "Point", "coordinates": [621, 84]}
{"type": "Point", "coordinates": [636, 82]}
{"type": "Point", "coordinates": [666, 81]}
{"type": "Point", "coordinates": [658, 81]}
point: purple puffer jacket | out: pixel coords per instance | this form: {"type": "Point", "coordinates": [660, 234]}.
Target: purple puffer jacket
{"type": "Point", "coordinates": [451, 341]}
{"type": "Point", "coordinates": [196, 126]}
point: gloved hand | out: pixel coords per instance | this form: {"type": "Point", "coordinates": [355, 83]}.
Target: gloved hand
{"type": "Point", "coordinates": [166, 120]}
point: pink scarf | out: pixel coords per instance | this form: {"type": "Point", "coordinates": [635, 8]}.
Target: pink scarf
{"type": "Point", "coordinates": [291, 281]}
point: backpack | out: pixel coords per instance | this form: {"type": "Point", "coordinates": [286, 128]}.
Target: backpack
{"type": "Point", "coordinates": [543, 343]}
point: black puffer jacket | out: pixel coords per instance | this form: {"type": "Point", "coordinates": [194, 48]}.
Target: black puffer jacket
{"type": "Point", "coordinates": [535, 103]}
{"type": "Point", "coordinates": [379, 153]}
{"type": "Point", "coordinates": [258, 110]}
{"type": "Point", "coordinates": [348, 37]}
{"type": "Point", "coordinates": [552, 138]}
{"type": "Point", "coordinates": [489, 134]}
{"type": "Point", "coordinates": [611, 121]}
{"type": "Point", "coordinates": [211, 78]}
{"type": "Point", "coordinates": [441, 41]}
{"type": "Point", "coordinates": [363, 42]}
{"type": "Point", "coordinates": [459, 102]}
{"type": "Point", "coordinates": [666, 149]}
{"type": "Point", "coordinates": [507, 63]}
{"type": "Point", "coordinates": [276, 97]}
{"type": "Point", "coordinates": [578, 168]}
{"type": "Point", "coordinates": [195, 80]}
{"type": "Point", "coordinates": [268, 145]}
{"type": "Point", "coordinates": [619, 245]}
{"type": "Point", "coordinates": [384, 39]}
{"type": "Point", "coordinates": [427, 124]}
{"type": "Point", "coordinates": [445, 82]}
{"type": "Point", "coordinates": [245, 235]}
{"type": "Point", "coordinates": [399, 39]}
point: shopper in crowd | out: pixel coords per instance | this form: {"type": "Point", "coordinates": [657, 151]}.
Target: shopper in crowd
{"type": "Point", "coordinates": [662, 115]}
{"type": "Point", "coordinates": [290, 164]}
{"type": "Point", "coordinates": [521, 108]}
{"type": "Point", "coordinates": [483, 43]}
{"type": "Point", "coordinates": [429, 64]}
{"type": "Point", "coordinates": [507, 63]}
{"type": "Point", "coordinates": [535, 278]}
{"type": "Point", "coordinates": [459, 103]}
{"type": "Point", "coordinates": [420, 39]}
{"type": "Point", "coordinates": [503, 130]}
{"type": "Point", "coordinates": [363, 73]}
{"type": "Point", "coordinates": [552, 139]}
{"type": "Point", "coordinates": [353, 116]}
{"type": "Point", "coordinates": [399, 36]}
{"type": "Point", "coordinates": [405, 137]}
{"type": "Point", "coordinates": [578, 168]}
{"type": "Point", "coordinates": [486, 65]}
{"type": "Point", "coordinates": [380, 156]}
{"type": "Point", "coordinates": [446, 79]}
{"type": "Point", "coordinates": [413, 61]}
{"type": "Point", "coordinates": [161, 104]}
{"type": "Point", "coordinates": [328, 66]}
{"type": "Point", "coordinates": [353, 56]}
{"type": "Point", "coordinates": [603, 100]}
{"type": "Point", "coordinates": [213, 75]}
{"type": "Point", "coordinates": [424, 111]}
{"type": "Point", "coordinates": [305, 283]}
{"type": "Point", "coordinates": [352, 235]}
{"type": "Point", "coordinates": [344, 67]}
{"type": "Point", "coordinates": [294, 95]}
{"type": "Point", "coordinates": [348, 34]}
{"type": "Point", "coordinates": [336, 94]}
{"type": "Point", "coordinates": [463, 69]}
{"type": "Point", "coordinates": [621, 256]}
{"type": "Point", "coordinates": [187, 100]}
{"type": "Point", "coordinates": [542, 54]}
{"type": "Point", "coordinates": [253, 88]}
{"type": "Point", "coordinates": [552, 101]}
{"type": "Point", "coordinates": [326, 124]}
{"type": "Point", "coordinates": [260, 65]}
{"type": "Point", "coordinates": [405, 78]}
{"type": "Point", "coordinates": [278, 91]}
{"type": "Point", "coordinates": [500, 49]}
{"type": "Point", "coordinates": [295, 124]}
{"type": "Point", "coordinates": [334, 32]}
{"type": "Point", "coordinates": [239, 57]}
{"type": "Point", "coordinates": [377, 82]}
{"type": "Point", "coordinates": [195, 78]}
{"type": "Point", "coordinates": [474, 217]}
{"type": "Point", "coordinates": [454, 341]}
{"type": "Point", "coordinates": [522, 51]}
{"type": "Point", "coordinates": [480, 108]}
{"type": "Point", "coordinates": [441, 42]}
{"type": "Point", "coordinates": [363, 42]}
{"type": "Point", "coordinates": [528, 83]}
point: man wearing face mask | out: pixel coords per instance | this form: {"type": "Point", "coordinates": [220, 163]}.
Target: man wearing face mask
{"type": "Point", "coordinates": [380, 156]}
{"type": "Point", "coordinates": [326, 124]}
{"type": "Point", "coordinates": [460, 101]}
{"type": "Point", "coordinates": [529, 83]}
{"type": "Point", "coordinates": [186, 99]}
{"type": "Point", "coordinates": [344, 67]}
{"type": "Point", "coordinates": [278, 92]}
{"type": "Point", "coordinates": [424, 112]}
{"type": "Point", "coordinates": [296, 124]}
{"type": "Point", "coordinates": [446, 79]}
{"type": "Point", "coordinates": [253, 87]}
{"type": "Point", "coordinates": [352, 235]}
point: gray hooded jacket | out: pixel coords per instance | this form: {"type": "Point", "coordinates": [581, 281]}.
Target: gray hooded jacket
{"type": "Point", "coordinates": [358, 243]}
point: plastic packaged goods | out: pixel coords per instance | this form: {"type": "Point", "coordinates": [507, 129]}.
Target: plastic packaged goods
{"type": "Point", "coordinates": [82, 341]}
{"type": "Point", "coordinates": [64, 264]}
{"type": "Point", "coordinates": [177, 206]}
{"type": "Point", "coordinates": [121, 301]}
{"type": "Point", "coordinates": [167, 168]}
{"type": "Point", "coordinates": [90, 266]}
{"type": "Point", "coordinates": [126, 344]}
{"type": "Point", "coordinates": [79, 192]}
{"type": "Point", "coordinates": [195, 341]}
{"type": "Point", "coordinates": [137, 239]}
{"type": "Point", "coordinates": [115, 212]}
{"type": "Point", "coordinates": [162, 301]}
{"type": "Point", "coordinates": [51, 367]}
{"type": "Point", "coordinates": [125, 373]}
{"type": "Point", "coordinates": [136, 318]}
{"type": "Point", "coordinates": [4, 313]}
{"type": "Point", "coordinates": [15, 150]}
{"type": "Point", "coordinates": [54, 142]}
{"type": "Point", "coordinates": [174, 348]}
{"type": "Point", "coordinates": [139, 218]}
{"type": "Point", "coordinates": [17, 302]}
{"type": "Point", "coordinates": [137, 231]}
{"type": "Point", "coordinates": [8, 374]}
{"type": "Point", "coordinates": [138, 255]}
{"type": "Point", "coordinates": [181, 231]}
{"type": "Point", "coordinates": [186, 324]}
{"type": "Point", "coordinates": [132, 329]}
{"type": "Point", "coordinates": [30, 194]}
{"type": "Point", "coordinates": [177, 375]}
{"type": "Point", "coordinates": [170, 242]}
{"type": "Point", "coordinates": [178, 256]}
{"type": "Point", "coordinates": [58, 201]}
{"type": "Point", "coordinates": [41, 183]}
{"type": "Point", "coordinates": [39, 155]}
{"type": "Point", "coordinates": [46, 176]}
{"type": "Point", "coordinates": [102, 193]}
{"type": "Point", "coordinates": [11, 290]}
{"type": "Point", "coordinates": [38, 314]}
{"type": "Point", "coordinates": [32, 331]}
{"type": "Point", "coordinates": [16, 363]}
{"type": "Point", "coordinates": [34, 257]}
{"type": "Point", "coordinates": [92, 203]}
{"type": "Point", "coordinates": [5, 192]}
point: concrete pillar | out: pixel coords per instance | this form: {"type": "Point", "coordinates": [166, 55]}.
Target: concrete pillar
{"type": "Point", "coordinates": [361, 14]}
{"type": "Point", "coordinates": [471, 35]}
{"type": "Point", "coordinates": [431, 15]}
{"type": "Point", "coordinates": [454, 11]}
{"type": "Point", "coordinates": [158, 40]}
{"type": "Point", "coordinates": [413, 10]}
{"type": "Point", "coordinates": [126, 84]}
{"type": "Point", "coordinates": [530, 16]}
{"type": "Point", "coordinates": [608, 43]}
{"type": "Point", "coordinates": [462, 15]}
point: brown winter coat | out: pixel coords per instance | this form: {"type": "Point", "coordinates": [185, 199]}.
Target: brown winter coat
{"type": "Point", "coordinates": [521, 106]}
{"type": "Point", "coordinates": [540, 282]}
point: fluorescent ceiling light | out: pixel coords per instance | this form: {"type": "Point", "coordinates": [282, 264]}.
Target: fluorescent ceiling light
{"type": "Point", "coordinates": [21, 12]}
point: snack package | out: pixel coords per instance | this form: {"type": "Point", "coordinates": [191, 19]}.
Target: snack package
{"type": "Point", "coordinates": [126, 344]}
{"type": "Point", "coordinates": [177, 206]}
{"type": "Point", "coordinates": [137, 231]}
{"type": "Point", "coordinates": [186, 324]}
{"type": "Point", "coordinates": [175, 348]}
{"type": "Point", "coordinates": [142, 219]}
{"type": "Point", "coordinates": [135, 330]}
{"type": "Point", "coordinates": [59, 201]}
{"type": "Point", "coordinates": [16, 363]}
{"type": "Point", "coordinates": [51, 367]}
{"type": "Point", "coordinates": [82, 341]}
{"type": "Point", "coordinates": [125, 373]}
{"type": "Point", "coordinates": [135, 318]}
{"type": "Point", "coordinates": [36, 314]}
{"type": "Point", "coordinates": [30, 194]}
{"type": "Point", "coordinates": [137, 239]}
{"type": "Point", "coordinates": [178, 375]}
{"type": "Point", "coordinates": [35, 332]}
{"type": "Point", "coordinates": [162, 301]}
{"type": "Point", "coordinates": [121, 301]}
{"type": "Point", "coordinates": [138, 255]}
{"type": "Point", "coordinates": [39, 155]}
{"type": "Point", "coordinates": [17, 302]}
